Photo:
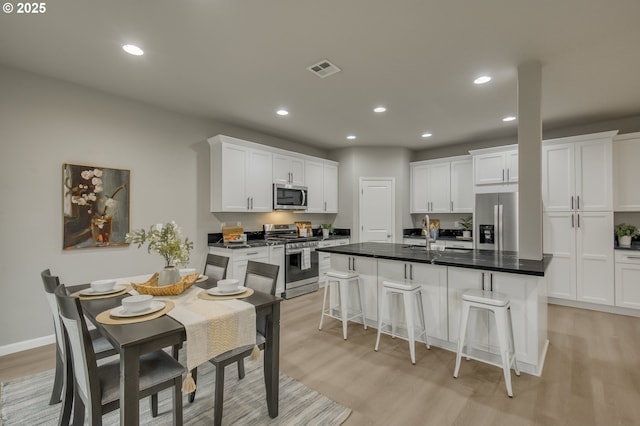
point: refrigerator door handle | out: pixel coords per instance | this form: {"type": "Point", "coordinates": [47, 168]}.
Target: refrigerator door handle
{"type": "Point", "coordinates": [500, 233]}
{"type": "Point", "coordinates": [496, 219]}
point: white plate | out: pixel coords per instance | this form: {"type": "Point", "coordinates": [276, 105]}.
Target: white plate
{"type": "Point", "coordinates": [89, 291]}
{"type": "Point", "coordinates": [120, 312]}
{"type": "Point", "coordinates": [215, 291]}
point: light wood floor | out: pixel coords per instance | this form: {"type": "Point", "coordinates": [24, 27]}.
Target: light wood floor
{"type": "Point", "coordinates": [591, 375]}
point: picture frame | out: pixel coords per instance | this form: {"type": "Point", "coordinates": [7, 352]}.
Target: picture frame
{"type": "Point", "coordinates": [95, 205]}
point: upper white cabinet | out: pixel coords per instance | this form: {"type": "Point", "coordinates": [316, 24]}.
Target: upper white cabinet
{"type": "Point", "coordinates": [321, 178]}
{"type": "Point", "coordinates": [495, 166]}
{"type": "Point", "coordinates": [626, 153]}
{"type": "Point", "coordinates": [577, 173]}
{"type": "Point", "coordinates": [288, 169]}
{"type": "Point", "coordinates": [240, 177]}
{"type": "Point", "coordinates": [441, 186]}
{"type": "Point", "coordinates": [243, 173]}
{"type": "Point", "coordinates": [462, 197]}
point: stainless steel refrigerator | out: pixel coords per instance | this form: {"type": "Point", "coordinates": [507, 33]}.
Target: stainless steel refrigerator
{"type": "Point", "coordinates": [496, 221]}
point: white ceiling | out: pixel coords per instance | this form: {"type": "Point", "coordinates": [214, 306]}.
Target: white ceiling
{"type": "Point", "coordinates": [239, 60]}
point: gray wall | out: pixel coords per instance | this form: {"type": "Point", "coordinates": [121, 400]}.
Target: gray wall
{"type": "Point", "coordinates": [45, 123]}
{"type": "Point", "coordinates": [362, 162]}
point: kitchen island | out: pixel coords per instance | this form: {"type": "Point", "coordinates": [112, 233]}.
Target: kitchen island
{"type": "Point", "coordinates": [443, 277]}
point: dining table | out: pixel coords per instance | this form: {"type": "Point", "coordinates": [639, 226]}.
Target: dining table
{"type": "Point", "coordinates": [133, 340]}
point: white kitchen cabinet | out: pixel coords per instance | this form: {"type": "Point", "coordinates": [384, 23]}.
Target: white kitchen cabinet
{"type": "Point", "coordinates": [324, 259]}
{"type": "Point", "coordinates": [288, 169]}
{"type": "Point", "coordinates": [321, 178]}
{"type": "Point", "coordinates": [627, 278]}
{"type": "Point", "coordinates": [367, 268]}
{"type": "Point", "coordinates": [430, 191]}
{"type": "Point", "coordinates": [240, 177]}
{"type": "Point", "coordinates": [626, 152]}
{"type": "Point", "coordinates": [582, 267]}
{"type": "Point", "coordinates": [238, 259]}
{"type": "Point", "coordinates": [433, 280]}
{"type": "Point", "coordinates": [495, 166]}
{"type": "Point", "coordinates": [276, 257]}
{"type": "Point", "coordinates": [442, 186]}
{"type": "Point", "coordinates": [464, 244]}
{"type": "Point", "coordinates": [577, 173]}
{"type": "Point", "coordinates": [458, 281]}
{"type": "Point", "coordinates": [462, 197]}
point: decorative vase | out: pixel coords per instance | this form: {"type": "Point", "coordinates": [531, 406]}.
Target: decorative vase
{"type": "Point", "coordinates": [466, 234]}
{"type": "Point", "coordinates": [169, 275]}
{"type": "Point", "coordinates": [101, 230]}
{"type": "Point", "coordinates": [325, 233]}
{"type": "Point", "coordinates": [624, 241]}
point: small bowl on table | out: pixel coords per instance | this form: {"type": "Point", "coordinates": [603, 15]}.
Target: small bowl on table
{"type": "Point", "coordinates": [229, 285]}
{"type": "Point", "coordinates": [136, 304]}
{"type": "Point", "coordinates": [101, 286]}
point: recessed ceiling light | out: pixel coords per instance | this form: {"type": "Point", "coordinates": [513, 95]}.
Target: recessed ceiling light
{"type": "Point", "coordinates": [482, 79]}
{"type": "Point", "coordinates": [379, 109]}
{"type": "Point", "coordinates": [351, 137]}
{"type": "Point", "coordinates": [509, 118]}
{"type": "Point", "coordinates": [132, 49]}
{"type": "Point", "coordinates": [426, 135]}
{"type": "Point", "coordinates": [282, 112]}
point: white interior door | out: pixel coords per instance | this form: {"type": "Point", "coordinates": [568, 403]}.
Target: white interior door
{"type": "Point", "coordinates": [377, 209]}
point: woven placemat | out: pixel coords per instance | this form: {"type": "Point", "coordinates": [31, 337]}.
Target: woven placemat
{"type": "Point", "coordinates": [206, 296]}
{"type": "Point", "coordinates": [126, 289]}
{"type": "Point", "coordinates": [105, 318]}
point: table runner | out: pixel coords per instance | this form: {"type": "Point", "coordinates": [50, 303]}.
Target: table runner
{"type": "Point", "coordinates": [212, 327]}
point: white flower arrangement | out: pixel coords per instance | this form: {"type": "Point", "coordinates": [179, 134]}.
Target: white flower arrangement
{"type": "Point", "coordinates": [166, 240]}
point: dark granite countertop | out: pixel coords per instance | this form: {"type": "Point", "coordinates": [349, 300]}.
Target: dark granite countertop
{"type": "Point", "coordinates": [634, 246]}
{"type": "Point", "coordinates": [487, 260]}
{"type": "Point", "coordinates": [445, 237]}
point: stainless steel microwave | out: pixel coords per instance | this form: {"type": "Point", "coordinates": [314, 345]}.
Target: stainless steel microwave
{"type": "Point", "coordinates": [289, 197]}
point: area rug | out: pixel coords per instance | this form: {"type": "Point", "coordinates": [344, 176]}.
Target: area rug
{"type": "Point", "coordinates": [25, 402]}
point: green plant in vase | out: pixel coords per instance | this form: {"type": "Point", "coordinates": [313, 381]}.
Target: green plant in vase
{"type": "Point", "coordinates": [625, 233]}
{"type": "Point", "coordinates": [467, 225]}
{"type": "Point", "coordinates": [167, 241]}
{"type": "Point", "coordinates": [327, 229]}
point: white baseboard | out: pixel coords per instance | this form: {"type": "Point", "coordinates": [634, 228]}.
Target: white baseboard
{"type": "Point", "coordinates": [594, 307]}
{"type": "Point", "coordinates": [27, 344]}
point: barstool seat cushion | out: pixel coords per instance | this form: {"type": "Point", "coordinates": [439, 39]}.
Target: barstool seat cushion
{"type": "Point", "coordinates": [401, 285]}
{"type": "Point", "coordinates": [341, 274]}
{"type": "Point", "coordinates": [486, 297]}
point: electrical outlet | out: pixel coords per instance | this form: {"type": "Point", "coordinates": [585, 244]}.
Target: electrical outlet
{"type": "Point", "coordinates": [456, 224]}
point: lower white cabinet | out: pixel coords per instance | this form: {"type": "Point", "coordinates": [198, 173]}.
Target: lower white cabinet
{"type": "Point", "coordinates": [238, 259]}
{"type": "Point", "coordinates": [367, 268]}
{"type": "Point", "coordinates": [627, 279]}
{"type": "Point", "coordinates": [324, 259]}
{"type": "Point", "coordinates": [433, 280]}
{"type": "Point", "coordinates": [582, 267]}
{"type": "Point", "coordinates": [527, 314]}
{"type": "Point", "coordinates": [276, 257]}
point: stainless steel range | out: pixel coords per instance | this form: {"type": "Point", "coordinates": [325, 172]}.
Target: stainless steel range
{"type": "Point", "coordinates": [301, 258]}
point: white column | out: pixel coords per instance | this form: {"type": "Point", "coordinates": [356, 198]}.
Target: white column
{"type": "Point", "coordinates": [530, 160]}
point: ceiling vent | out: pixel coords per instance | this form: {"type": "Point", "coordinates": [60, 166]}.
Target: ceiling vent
{"type": "Point", "coordinates": [323, 68]}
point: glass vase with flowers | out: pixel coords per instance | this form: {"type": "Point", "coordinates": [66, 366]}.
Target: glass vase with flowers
{"type": "Point", "coordinates": [166, 240]}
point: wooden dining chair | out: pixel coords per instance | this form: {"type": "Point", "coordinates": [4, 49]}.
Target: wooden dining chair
{"type": "Point", "coordinates": [101, 346]}
{"type": "Point", "coordinates": [216, 267]}
{"type": "Point", "coordinates": [261, 277]}
{"type": "Point", "coordinates": [97, 387]}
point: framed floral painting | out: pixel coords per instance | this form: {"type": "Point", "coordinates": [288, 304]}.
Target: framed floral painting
{"type": "Point", "coordinates": [95, 203]}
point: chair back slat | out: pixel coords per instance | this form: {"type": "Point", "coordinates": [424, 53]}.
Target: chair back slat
{"type": "Point", "coordinates": [216, 267]}
{"type": "Point", "coordinates": [262, 277]}
{"type": "Point", "coordinates": [78, 341]}
{"type": "Point", "coordinates": [51, 283]}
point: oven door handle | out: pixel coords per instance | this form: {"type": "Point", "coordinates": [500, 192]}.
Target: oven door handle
{"type": "Point", "coordinates": [298, 251]}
